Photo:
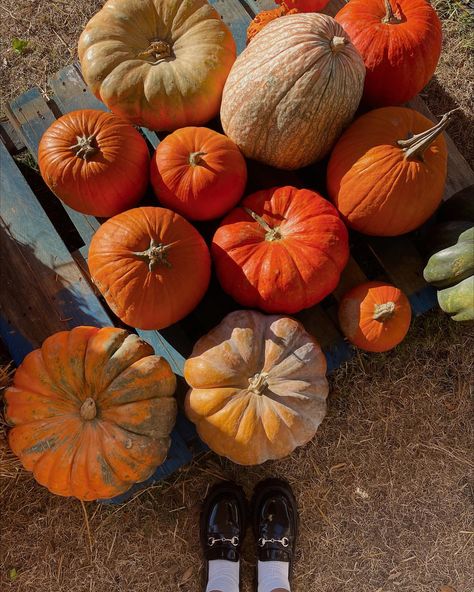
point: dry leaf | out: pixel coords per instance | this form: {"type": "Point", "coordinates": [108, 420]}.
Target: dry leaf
{"type": "Point", "coordinates": [188, 574]}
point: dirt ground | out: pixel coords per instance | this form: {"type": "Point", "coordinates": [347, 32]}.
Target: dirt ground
{"type": "Point", "coordinates": [385, 490]}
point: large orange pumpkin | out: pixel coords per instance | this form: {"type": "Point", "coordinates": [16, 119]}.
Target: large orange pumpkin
{"type": "Point", "coordinates": [400, 41]}
{"type": "Point", "coordinates": [282, 250]}
{"type": "Point", "coordinates": [386, 174]}
{"type": "Point", "coordinates": [95, 162]}
{"type": "Point", "coordinates": [375, 316]}
{"type": "Point", "coordinates": [198, 173]}
{"type": "Point", "coordinates": [92, 411]}
{"type": "Point", "coordinates": [258, 387]}
{"type": "Point", "coordinates": [151, 266]}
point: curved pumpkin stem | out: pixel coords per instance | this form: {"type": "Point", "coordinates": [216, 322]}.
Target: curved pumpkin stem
{"type": "Point", "coordinates": [88, 409]}
{"type": "Point", "coordinates": [415, 146]}
{"type": "Point", "coordinates": [85, 147]}
{"type": "Point", "coordinates": [258, 383]}
{"type": "Point", "coordinates": [383, 312]}
{"type": "Point", "coordinates": [158, 50]}
{"type": "Point", "coordinates": [272, 233]}
{"type": "Point", "coordinates": [338, 43]}
{"type": "Point", "coordinates": [390, 18]}
{"type": "Point", "coordinates": [195, 158]}
{"type": "Point", "coordinates": [156, 254]}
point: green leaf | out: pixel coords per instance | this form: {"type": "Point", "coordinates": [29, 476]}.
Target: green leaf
{"type": "Point", "coordinates": [19, 45]}
{"type": "Point", "coordinates": [13, 574]}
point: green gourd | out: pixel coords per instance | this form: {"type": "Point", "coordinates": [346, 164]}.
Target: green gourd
{"type": "Point", "coordinates": [453, 264]}
{"type": "Point", "coordinates": [458, 300]}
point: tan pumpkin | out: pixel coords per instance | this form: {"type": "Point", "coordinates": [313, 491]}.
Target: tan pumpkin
{"type": "Point", "coordinates": [159, 63]}
{"type": "Point", "coordinates": [258, 387]}
{"type": "Point", "coordinates": [292, 91]}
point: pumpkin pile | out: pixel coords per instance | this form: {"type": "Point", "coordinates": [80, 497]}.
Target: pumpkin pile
{"type": "Point", "coordinates": [92, 409]}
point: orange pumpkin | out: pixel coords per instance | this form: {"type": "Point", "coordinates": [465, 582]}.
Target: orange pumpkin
{"type": "Point", "coordinates": [258, 387]}
{"type": "Point", "coordinates": [387, 172]}
{"type": "Point", "coordinates": [95, 162]}
{"type": "Point", "coordinates": [304, 5]}
{"type": "Point", "coordinates": [151, 266]}
{"type": "Point", "coordinates": [92, 411]}
{"type": "Point", "coordinates": [198, 173]}
{"type": "Point", "coordinates": [375, 316]}
{"type": "Point", "coordinates": [264, 17]}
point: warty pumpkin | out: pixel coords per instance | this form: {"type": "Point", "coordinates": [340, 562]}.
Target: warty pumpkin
{"type": "Point", "coordinates": [281, 250]}
{"type": "Point", "coordinates": [375, 316]}
{"type": "Point", "coordinates": [151, 265]}
{"type": "Point", "coordinates": [263, 18]}
{"type": "Point", "coordinates": [91, 411]}
{"type": "Point", "coordinates": [95, 162]}
{"type": "Point", "coordinates": [161, 63]}
{"type": "Point", "coordinates": [304, 5]}
{"type": "Point", "coordinates": [292, 91]}
{"type": "Point", "coordinates": [387, 172]}
{"type": "Point", "coordinates": [258, 387]}
{"type": "Point", "coordinates": [198, 173]}
{"type": "Point", "coordinates": [400, 41]}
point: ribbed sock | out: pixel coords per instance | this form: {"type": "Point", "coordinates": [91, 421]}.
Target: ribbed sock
{"type": "Point", "coordinates": [273, 575]}
{"type": "Point", "coordinates": [223, 576]}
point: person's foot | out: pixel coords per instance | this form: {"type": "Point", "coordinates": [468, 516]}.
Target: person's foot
{"type": "Point", "coordinates": [223, 520]}
{"type": "Point", "coordinates": [275, 525]}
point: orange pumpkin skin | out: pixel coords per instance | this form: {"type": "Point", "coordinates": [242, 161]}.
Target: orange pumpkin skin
{"type": "Point", "coordinates": [258, 387]}
{"type": "Point", "coordinates": [400, 50]}
{"type": "Point", "coordinates": [198, 173]}
{"type": "Point", "coordinates": [377, 186]}
{"type": "Point", "coordinates": [375, 316]}
{"type": "Point", "coordinates": [95, 162]}
{"type": "Point", "coordinates": [151, 266]}
{"type": "Point", "coordinates": [304, 5]}
{"type": "Point", "coordinates": [264, 17]}
{"type": "Point", "coordinates": [91, 411]}
{"type": "Point", "coordinates": [282, 250]}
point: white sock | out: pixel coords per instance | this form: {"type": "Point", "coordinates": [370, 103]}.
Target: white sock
{"type": "Point", "coordinates": [273, 575]}
{"type": "Point", "coordinates": [223, 576]}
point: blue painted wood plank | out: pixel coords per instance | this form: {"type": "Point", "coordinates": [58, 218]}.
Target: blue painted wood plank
{"type": "Point", "coordinates": [236, 17]}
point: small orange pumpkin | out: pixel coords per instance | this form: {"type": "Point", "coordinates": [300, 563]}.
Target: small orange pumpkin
{"type": "Point", "coordinates": [92, 411]}
{"type": "Point", "coordinates": [375, 316]}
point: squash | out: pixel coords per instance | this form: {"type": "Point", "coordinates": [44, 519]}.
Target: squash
{"type": "Point", "coordinates": [387, 172]}
{"type": "Point", "coordinates": [447, 234]}
{"type": "Point", "coordinates": [459, 207]}
{"type": "Point", "coordinates": [281, 250]}
{"type": "Point", "coordinates": [91, 411]}
{"type": "Point", "coordinates": [400, 41]}
{"type": "Point", "coordinates": [95, 162]}
{"type": "Point", "coordinates": [151, 266]}
{"type": "Point", "coordinates": [453, 264]}
{"type": "Point", "coordinates": [198, 173]}
{"type": "Point", "coordinates": [258, 387]}
{"type": "Point", "coordinates": [375, 316]}
{"type": "Point", "coordinates": [161, 63]}
{"type": "Point", "coordinates": [458, 300]}
{"type": "Point", "coordinates": [263, 18]}
{"type": "Point", "coordinates": [292, 91]}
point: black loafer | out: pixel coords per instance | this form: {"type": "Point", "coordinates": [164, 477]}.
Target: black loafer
{"type": "Point", "coordinates": [275, 521]}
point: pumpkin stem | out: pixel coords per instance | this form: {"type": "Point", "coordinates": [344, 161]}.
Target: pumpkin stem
{"type": "Point", "coordinates": [415, 146]}
{"type": "Point", "coordinates": [258, 383]}
{"type": "Point", "coordinates": [86, 146]}
{"type": "Point", "coordinates": [88, 409]}
{"type": "Point", "coordinates": [156, 254]}
{"type": "Point", "coordinates": [389, 17]}
{"type": "Point", "coordinates": [195, 158]}
{"type": "Point", "coordinates": [272, 234]}
{"type": "Point", "coordinates": [338, 43]}
{"type": "Point", "coordinates": [156, 52]}
{"type": "Point", "coordinates": [383, 312]}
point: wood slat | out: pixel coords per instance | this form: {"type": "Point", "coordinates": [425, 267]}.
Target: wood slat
{"type": "Point", "coordinates": [237, 17]}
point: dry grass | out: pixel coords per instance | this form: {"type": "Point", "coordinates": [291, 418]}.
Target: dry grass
{"type": "Point", "coordinates": [9, 464]}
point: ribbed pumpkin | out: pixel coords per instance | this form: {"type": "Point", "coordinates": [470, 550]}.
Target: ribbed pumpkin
{"type": "Point", "coordinates": [400, 42]}
{"type": "Point", "coordinates": [386, 174]}
{"type": "Point", "coordinates": [263, 18]}
{"type": "Point", "coordinates": [292, 91]}
{"type": "Point", "coordinates": [375, 316]}
{"type": "Point", "coordinates": [160, 63]}
{"type": "Point", "coordinates": [95, 162]}
{"type": "Point", "coordinates": [198, 173]}
{"type": "Point", "coordinates": [92, 411]}
{"type": "Point", "coordinates": [151, 266]}
{"type": "Point", "coordinates": [282, 250]}
{"type": "Point", "coordinates": [304, 5]}
{"type": "Point", "coordinates": [258, 387]}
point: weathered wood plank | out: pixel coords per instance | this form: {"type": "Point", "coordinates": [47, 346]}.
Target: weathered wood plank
{"type": "Point", "coordinates": [236, 17]}
{"type": "Point", "coordinates": [332, 8]}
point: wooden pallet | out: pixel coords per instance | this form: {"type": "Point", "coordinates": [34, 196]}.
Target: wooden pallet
{"type": "Point", "coordinates": [45, 245]}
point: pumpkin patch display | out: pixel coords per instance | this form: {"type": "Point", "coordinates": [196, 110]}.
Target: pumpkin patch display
{"type": "Point", "coordinates": [161, 64]}
{"type": "Point", "coordinates": [151, 265]}
{"type": "Point", "coordinates": [292, 91]}
{"type": "Point", "coordinates": [258, 387]}
{"type": "Point", "coordinates": [198, 173]}
{"type": "Point", "coordinates": [95, 162]}
{"type": "Point", "coordinates": [375, 316]}
{"type": "Point", "coordinates": [91, 411]}
{"type": "Point", "coordinates": [387, 172]}
{"type": "Point", "coordinates": [281, 250]}
{"type": "Point", "coordinates": [400, 41]}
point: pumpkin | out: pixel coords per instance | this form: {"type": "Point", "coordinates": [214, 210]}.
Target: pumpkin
{"type": "Point", "coordinates": [264, 17]}
{"type": "Point", "coordinates": [400, 42]}
{"type": "Point", "coordinates": [282, 250]}
{"type": "Point", "coordinates": [92, 410]}
{"type": "Point", "coordinates": [458, 300]}
{"type": "Point", "coordinates": [257, 387]}
{"type": "Point", "coordinates": [303, 5]}
{"type": "Point", "coordinates": [151, 266]}
{"type": "Point", "coordinates": [375, 316]}
{"type": "Point", "coordinates": [95, 162]}
{"type": "Point", "coordinates": [161, 64]}
{"type": "Point", "coordinates": [386, 174]}
{"type": "Point", "coordinates": [199, 173]}
{"type": "Point", "coordinates": [292, 91]}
